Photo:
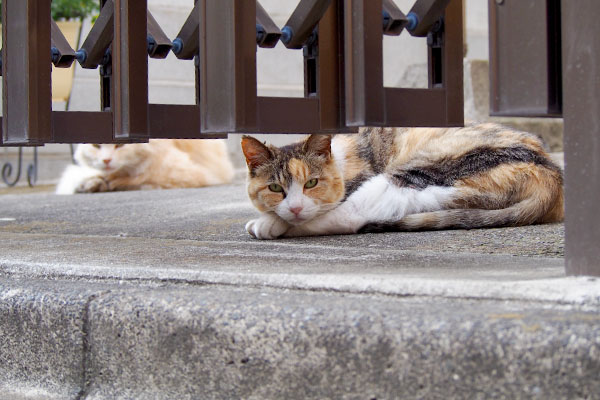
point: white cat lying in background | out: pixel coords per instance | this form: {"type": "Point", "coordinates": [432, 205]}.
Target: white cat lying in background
{"type": "Point", "coordinates": [160, 163]}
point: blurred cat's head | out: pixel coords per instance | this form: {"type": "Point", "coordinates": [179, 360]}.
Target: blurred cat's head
{"type": "Point", "coordinates": [111, 158]}
{"type": "Point", "coordinates": [298, 182]}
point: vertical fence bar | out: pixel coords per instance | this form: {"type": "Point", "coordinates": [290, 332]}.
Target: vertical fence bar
{"type": "Point", "coordinates": [364, 62]}
{"type": "Point", "coordinates": [26, 84]}
{"type": "Point", "coordinates": [581, 94]}
{"type": "Point", "coordinates": [228, 91]}
{"type": "Point", "coordinates": [452, 74]}
{"type": "Point", "coordinates": [330, 69]}
{"type": "Point", "coordinates": [130, 70]}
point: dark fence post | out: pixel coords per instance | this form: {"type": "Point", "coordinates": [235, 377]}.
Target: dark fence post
{"type": "Point", "coordinates": [329, 70]}
{"type": "Point", "coordinates": [581, 110]}
{"type": "Point", "coordinates": [364, 91]}
{"type": "Point", "coordinates": [26, 84]}
{"type": "Point", "coordinates": [525, 74]}
{"type": "Point", "coordinates": [228, 65]}
{"type": "Point", "coordinates": [130, 70]}
{"type": "Point", "coordinates": [452, 53]}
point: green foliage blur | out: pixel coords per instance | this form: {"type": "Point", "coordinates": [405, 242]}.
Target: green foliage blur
{"type": "Point", "coordinates": [71, 9]}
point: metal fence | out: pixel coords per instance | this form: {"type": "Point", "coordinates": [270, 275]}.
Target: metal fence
{"type": "Point", "coordinates": [545, 62]}
{"type": "Point", "coordinates": [341, 41]}
{"type": "Point", "coordinates": [552, 73]}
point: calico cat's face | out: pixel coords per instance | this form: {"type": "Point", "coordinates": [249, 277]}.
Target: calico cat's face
{"type": "Point", "coordinates": [298, 182]}
{"type": "Point", "coordinates": [110, 158]}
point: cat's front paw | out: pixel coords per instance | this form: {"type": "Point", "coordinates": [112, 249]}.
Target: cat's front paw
{"type": "Point", "coordinates": [267, 227]}
{"type": "Point", "coordinates": [92, 185]}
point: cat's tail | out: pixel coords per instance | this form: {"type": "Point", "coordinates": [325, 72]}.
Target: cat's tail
{"type": "Point", "coordinates": [525, 212]}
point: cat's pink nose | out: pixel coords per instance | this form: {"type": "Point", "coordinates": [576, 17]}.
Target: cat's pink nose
{"type": "Point", "coordinates": [106, 161]}
{"type": "Point", "coordinates": [296, 210]}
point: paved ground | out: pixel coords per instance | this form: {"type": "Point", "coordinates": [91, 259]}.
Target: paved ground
{"type": "Point", "coordinates": [162, 294]}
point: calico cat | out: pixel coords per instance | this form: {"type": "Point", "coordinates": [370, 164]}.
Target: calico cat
{"type": "Point", "coordinates": [385, 179]}
{"type": "Point", "coordinates": [164, 163]}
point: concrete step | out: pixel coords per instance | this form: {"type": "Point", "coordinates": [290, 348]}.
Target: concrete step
{"type": "Point", "coordinates": [163, 295]}
{"type": "Point", "coordinates": [73, 339]}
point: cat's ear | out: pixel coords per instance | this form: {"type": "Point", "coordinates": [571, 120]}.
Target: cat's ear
{"type": "Point", "coordinates": [256, 153]}
{"type": "Point", "coordinates": [318, 144]}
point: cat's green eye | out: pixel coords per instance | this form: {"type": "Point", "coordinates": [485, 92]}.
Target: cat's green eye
{"type": "Point", "coordinates": [96, 146]}
{"type": "Point", "coordinates": [311, 184]}
{"type": "Point", "coordinates": [275, 187]}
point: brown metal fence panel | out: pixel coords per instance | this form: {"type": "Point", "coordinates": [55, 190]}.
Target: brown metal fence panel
{"type": "Point", "coordinates": [130, 70]}
{"type": "Point", "coordinates": [581, 72]}
{"type": "Point", "coordinates": [26, 95]}
{"type": "Point", "coordinates": [365, 96]}
{"type": "Point", "coordinates": [228, 66]}
{"type": "Point", "coordinates": [443, 103]}
{"type": "Point", "coordinates": [368, 102]}
{"type": "Point", "coordinates": [324, 71]}
{"type": "Point", "coordinates": [525, 58]}
{"type": "Point", "coordinates": [531, 65]}
{"type": "Point", "coordinates": [341, 41]}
